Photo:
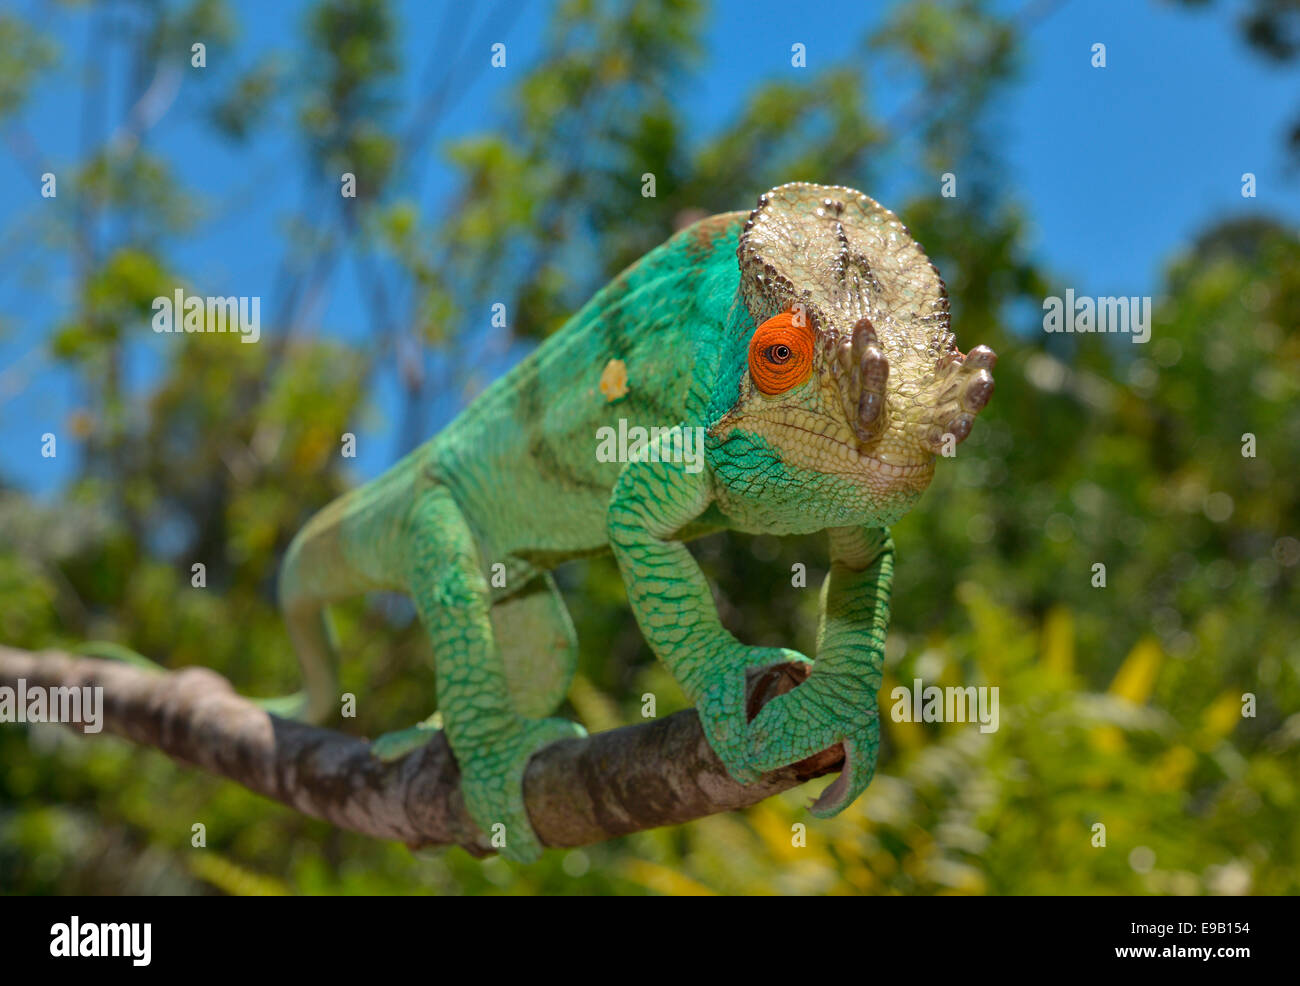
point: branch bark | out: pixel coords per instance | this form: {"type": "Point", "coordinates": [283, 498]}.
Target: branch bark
{"type": "Point", "coordinates": [661, 772]}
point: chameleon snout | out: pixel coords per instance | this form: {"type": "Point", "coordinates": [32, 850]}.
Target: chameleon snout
{"type": "Point", "coordinates": [894, 422]}
{"type": "Point", "coordinates": [962, 387]}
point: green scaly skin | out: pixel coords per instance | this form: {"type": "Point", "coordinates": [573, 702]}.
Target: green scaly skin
{"type": "Point", "coordinates": [516, 480]}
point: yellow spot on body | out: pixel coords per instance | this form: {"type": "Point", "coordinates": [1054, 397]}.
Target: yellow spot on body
{"type": "Point", "coordinates": [613, 380]}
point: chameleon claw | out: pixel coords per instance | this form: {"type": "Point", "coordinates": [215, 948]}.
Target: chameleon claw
{"type": "Point", "coordinates": [855, 776]}
{"type": "Point", "coordinates": [393, 746]}
{"type": "Point", "coordinates": [723, 706]}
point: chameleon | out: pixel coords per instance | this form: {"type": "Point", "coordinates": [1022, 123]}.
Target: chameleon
{"type": "Point", "coordinates": [806, 345]}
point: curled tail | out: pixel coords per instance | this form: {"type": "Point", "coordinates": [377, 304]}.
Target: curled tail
{"type": "Point", "coordinates": [294, 706]}
{"type": "Point", "coordinates": [313, 641]}
{"type": "Point", "coordinates": [352, 546]}
{"type": "Point", "coordinates": [110, 651]}
{"type": "Point", "coordinates": [344, 550]}
{"type": "Point", "coordinates": [303, 606]}
{"type": "Point", "coordinates": [309, 630]}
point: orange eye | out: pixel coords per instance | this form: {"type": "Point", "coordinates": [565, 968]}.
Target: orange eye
{"type": "Point", "coordinates": [780, 354]}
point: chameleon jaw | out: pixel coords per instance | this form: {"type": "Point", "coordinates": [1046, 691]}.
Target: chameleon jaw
{"type": "Point", "coordinates": [891, 470]}
{"type": "Point", "coordinates": [819, 442]}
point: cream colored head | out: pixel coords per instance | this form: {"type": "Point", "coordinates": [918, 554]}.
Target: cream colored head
{"type": "Point", "coordinates": [853, 369]}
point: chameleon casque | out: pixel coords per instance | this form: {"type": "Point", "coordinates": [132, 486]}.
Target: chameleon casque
{"type": "Point", "coordinates": [823, 373]}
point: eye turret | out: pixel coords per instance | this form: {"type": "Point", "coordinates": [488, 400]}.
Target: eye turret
{"type": "Point", "coordinates": [781, 353]}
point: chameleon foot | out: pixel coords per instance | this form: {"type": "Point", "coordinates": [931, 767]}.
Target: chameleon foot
{"type": "Point", "coordinates": [813, 717]}
{"type": "Point", "coordinates": [492, 782]}
{"type": "Point", "coordinates": [394, 746]}
{"type": "Point", "coordinates": [721, 706]}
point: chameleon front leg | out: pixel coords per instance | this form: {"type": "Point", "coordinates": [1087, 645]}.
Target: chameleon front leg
{"type": "Point", "coordinates": [674, 606]}
{"type": "Point", "coordinates": [837, 703]}
{"type": "Point", "coordinates": [491, 740]}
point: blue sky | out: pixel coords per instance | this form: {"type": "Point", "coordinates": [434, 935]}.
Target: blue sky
{"type": "Point", "coordinates": [1118, 167]}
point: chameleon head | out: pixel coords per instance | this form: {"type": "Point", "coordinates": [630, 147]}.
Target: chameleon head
{"type": "Point", "coordinates": [852, 368]}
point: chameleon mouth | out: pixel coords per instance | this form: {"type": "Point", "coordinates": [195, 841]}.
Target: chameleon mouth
{"type": "Point", "coordinates": [894, 470]}
{"type": "Point", "coordinates": [818, 442]}
{"type": "Point", "coordinates": [886, 464]}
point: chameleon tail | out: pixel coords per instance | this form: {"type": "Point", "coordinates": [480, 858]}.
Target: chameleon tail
{"type": "Point", "coordinates": [285, 706]}
{"type": "Point", "coordinates": [314, 643]}
{"type": "Point", "coordinates": [304, 615]}
{"type": "Point", "coordinates": [110, 651]}
{"type": "Point", "coordinates": [314, 573]}
{"type": "Point", "coordinates": [309, 578]}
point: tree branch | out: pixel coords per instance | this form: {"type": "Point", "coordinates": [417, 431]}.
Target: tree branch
{"type": "Point", "coordinates": [662, 772]}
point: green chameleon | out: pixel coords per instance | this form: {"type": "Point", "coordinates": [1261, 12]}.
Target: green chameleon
{"type": "Point", "coordinates": [808, 387]}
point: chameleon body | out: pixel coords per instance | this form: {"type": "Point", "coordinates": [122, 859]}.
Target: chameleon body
{"type": "Point", "coordinates": [808, 344]}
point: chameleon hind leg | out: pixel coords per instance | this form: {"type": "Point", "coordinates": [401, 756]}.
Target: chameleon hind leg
{"type": "Point", "coordinates": [538, 644]}
{"type": "Point", "coordinates": [539, 648]}
{"type": "Point", "coordinates": [492, 741]}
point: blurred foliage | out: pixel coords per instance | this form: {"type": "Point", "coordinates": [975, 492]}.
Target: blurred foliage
{"type": "Point", "coordinates": [1120, 706]}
